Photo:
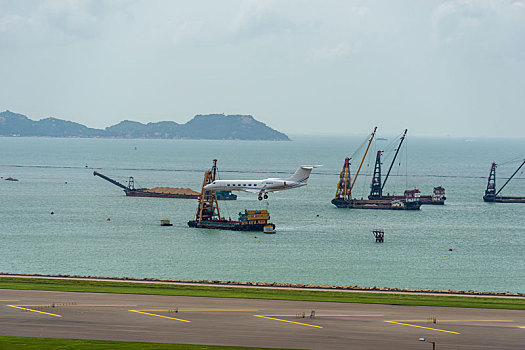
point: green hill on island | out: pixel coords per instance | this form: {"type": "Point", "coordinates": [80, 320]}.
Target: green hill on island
{"type": "Point", "coordinates": [208, 127]}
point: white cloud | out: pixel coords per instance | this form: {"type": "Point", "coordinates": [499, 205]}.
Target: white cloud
{"type": "Point", "coordinates": [453, 19]}
{"type": "Point", "coordinates": [331, 53]}
{"type": "Point", "coordinates": [10, 22]}
{"type": "Point", "coordinates": [259, 19]}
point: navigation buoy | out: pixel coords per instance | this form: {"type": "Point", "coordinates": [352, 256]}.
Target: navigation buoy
{"type": "Point", "coordinates": [108, 219]}
{"type": "Point", "coordinates": [449, 249]}
{"type": "Point", "coordinates": [52, 212]}
{"type": "Point", "coordinates": [444, 256]}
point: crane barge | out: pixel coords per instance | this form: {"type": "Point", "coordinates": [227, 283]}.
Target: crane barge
{"type": "Point", "coordinates": [377, 186]}
{"type": "Point", "coordinates": [343, 196]}
{"type": "Point", "coordinates": [208, 214]}
{"type": "Point", "coordinates": [491, 195]}
{"type": "Point", "coordinates": [160, 192]}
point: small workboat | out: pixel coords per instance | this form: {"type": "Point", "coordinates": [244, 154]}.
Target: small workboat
{"type": "Point", "coordinates": [269, 228]}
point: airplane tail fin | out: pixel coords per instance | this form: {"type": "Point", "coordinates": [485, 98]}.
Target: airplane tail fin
{"type": "Point", "coordinates": [302, 174]}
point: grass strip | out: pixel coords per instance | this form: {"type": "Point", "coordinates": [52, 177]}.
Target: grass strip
{"type": "Point", "coordinates": [68, 285]}
{"type": "Point", "coordinates": [80, 344]}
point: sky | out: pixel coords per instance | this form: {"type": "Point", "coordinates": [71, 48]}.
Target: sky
{"type": "Point", "coordinates": [439, 68]}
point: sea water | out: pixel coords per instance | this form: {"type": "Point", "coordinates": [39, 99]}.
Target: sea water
{"type": "Point", "coordinates": [96, 230]}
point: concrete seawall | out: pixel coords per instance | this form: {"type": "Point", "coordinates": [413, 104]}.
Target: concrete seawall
{"type": "Point", "coordinates": [274, 285]}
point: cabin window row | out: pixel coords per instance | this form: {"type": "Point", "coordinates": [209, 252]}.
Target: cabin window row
{"type": "Point", "coordinates": [239, 185]}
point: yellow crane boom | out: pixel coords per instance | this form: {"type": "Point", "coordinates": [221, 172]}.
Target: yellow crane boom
{"type": "Point", "coordinates": [362, 160]}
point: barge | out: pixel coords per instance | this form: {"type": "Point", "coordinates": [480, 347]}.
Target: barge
{"type": "Point", "coordinates": [410, 201]}
{"type": "Point", "coordinates": [437, 198]}
{"type": "Point", "coordinates": [249, 220]}
{"type": "Point", "coordinates": [491, 195]}
{"type": "Point", "coordinates": [378, 185]}
{"type": "Point", "coordinates": [208, 214]}
{"type": "Point", "coordinates": [162, 192]}
{"type": "Point", "coordinates": [343, 196]}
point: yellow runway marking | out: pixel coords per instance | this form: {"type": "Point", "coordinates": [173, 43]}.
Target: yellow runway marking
{"type": "Point", "coordinates": [433, 329]}
{"type": "Point", "coordinates": [183, 310]}
{"type": "Point", "coordinates": [77, 305]}
{"type": "Point", "coordinates": [521, 327]}
{"type": "Point", "coordinates": [438, 321]}
{"type": "Point", "coordinates": [40, 312]}
{"type": "Point", "coordinates": [171, 318]}
{"type": "Point", "coordinates": [317, 315]}
{"type": "Point", "coordinates": [10, 300]}
{"type": "Point", "coordinates": [94, 305]}
{"type": "Point", "coordinates": [278, 319]}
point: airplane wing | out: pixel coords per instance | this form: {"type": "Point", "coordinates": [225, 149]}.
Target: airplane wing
{"type": "Point", "coordinates": [276, 190]}
{"type": "Point", "coordinates": [259, 190]}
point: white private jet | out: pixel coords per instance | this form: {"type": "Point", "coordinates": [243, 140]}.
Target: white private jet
{"type": "Point", "coordinates": [262, 187]}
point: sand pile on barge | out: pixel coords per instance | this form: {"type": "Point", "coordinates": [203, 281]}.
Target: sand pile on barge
{"type": "Point", "coordinates": [173, 190]}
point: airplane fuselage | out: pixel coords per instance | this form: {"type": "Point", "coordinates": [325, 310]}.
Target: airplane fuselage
{"type": "Point", "coordinates": [262, 187]}
{"type": "Point", "coordinates": [255, 186]}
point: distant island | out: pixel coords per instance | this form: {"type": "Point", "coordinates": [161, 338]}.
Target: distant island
{"type": "Point", "coordinates": [204, 127]}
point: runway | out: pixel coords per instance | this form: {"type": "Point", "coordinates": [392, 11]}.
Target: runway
{"type": "Point", "coordinates": [254, 322]}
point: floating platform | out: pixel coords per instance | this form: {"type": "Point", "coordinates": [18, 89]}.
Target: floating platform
{"type": "Point", "coordinates": [376, 204]}
{"type": "Point", "coordinates": [437, 198]}
{"type": "Point", "coordinates": [426, 200]}
{"type": "Point", "coordinates": [150, 193]}
{"type": "Point", "coordinates": [177, 193]}
{"type": "Point", "coordinates": [410, 201]}
{"type": "Point", "coordinates": [502, 199]}
{"type": "Point", "coordinates": [227, 225]}
{"type": "Point", "coordinates": [165, 222]}
{"type": "Point", "coordinates": [379, 235]}
{"type": "Point", "coordinates": [249, 220]}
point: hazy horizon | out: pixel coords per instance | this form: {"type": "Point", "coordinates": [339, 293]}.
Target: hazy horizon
{"type": "Point", "coordinates": [439, 68]}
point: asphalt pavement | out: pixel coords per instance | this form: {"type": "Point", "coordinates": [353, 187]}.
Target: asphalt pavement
{"type": "Point", "coordinates": [254, 322]}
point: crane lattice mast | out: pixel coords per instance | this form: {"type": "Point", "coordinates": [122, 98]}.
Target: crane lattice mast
{"type": "Point", "coordinates": [208, 208]}
{"type": "Point", "coordinates": [344, 189]}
